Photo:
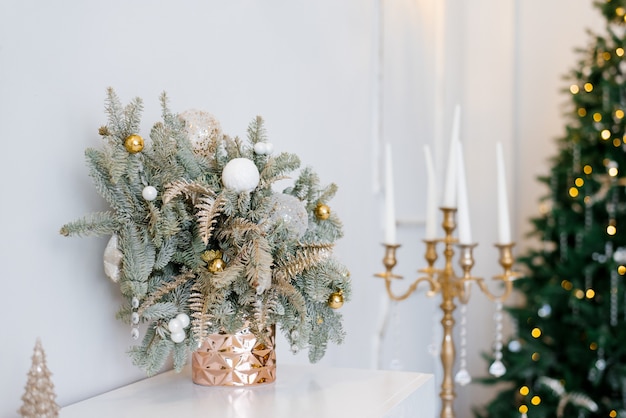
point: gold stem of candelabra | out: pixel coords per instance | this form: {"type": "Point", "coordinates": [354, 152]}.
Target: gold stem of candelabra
{"type": "Point", "coordinates": [451, 286]}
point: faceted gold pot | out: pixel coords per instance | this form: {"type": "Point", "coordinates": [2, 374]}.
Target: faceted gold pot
{"type": "Point", "coordinates": [239, 359]}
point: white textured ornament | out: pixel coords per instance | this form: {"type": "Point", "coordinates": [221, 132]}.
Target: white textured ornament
{"type": "Point", "coordinates": [149, 193]}
{"type": "Point", "coordinates": [462, 377]}
{"type": "Point", "coordinates": [497, 369]}
{"type": "Point", "coordinates": [184, 320]}
{"type": "Point", "coordinates": [134, 302]}
{"type": "Point", "coordinates": [291, 212]}
{"type": "Point", "coordinates": [112, 259]}
{"type": "Point", "coordinates": [134, 333]}
{"type": "Point", "coordinates": [134, 318]}
{"type": "Point", "coordinates": [202, 128]}
{"type": "Point", "coordinates": [178, 337]}
{"type": "Point", "coordinates": [240, 175]}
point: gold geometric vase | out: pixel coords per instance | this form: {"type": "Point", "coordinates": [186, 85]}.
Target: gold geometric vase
{"type": "Point", "coordinates": [238, 359]}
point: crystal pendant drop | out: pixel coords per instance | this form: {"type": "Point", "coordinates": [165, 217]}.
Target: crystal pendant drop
{"type": "Point", "coordinates": [497, 369]}
{"type": "Point", "coordinates": [462, 377]}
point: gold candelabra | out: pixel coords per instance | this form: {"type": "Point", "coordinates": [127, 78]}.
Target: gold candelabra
{"type": "Point", "coordinates": [451, 286]}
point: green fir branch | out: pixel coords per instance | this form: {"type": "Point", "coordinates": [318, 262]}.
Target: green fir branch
{"type": "Point", "coordinates": [98, 224]}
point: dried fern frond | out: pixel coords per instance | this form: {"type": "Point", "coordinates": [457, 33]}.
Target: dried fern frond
{"type": "Point", "coordinates": [199, 311]}
{"type": "Point", "coordinates": [306, 256]}
{"type": "Point", "coordinates": [209, 209]}
{"type": "Point", "coordinates": [190, 189]}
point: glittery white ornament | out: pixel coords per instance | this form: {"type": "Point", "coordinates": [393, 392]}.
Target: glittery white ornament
{"type": "Point", "coordinates": [202, 128]}
{"type": "Point", "coordinates": [112, 259]}
{"type": "Point", "coordinates": [290, 211]}
{"type": "Point", "coordinates": [134, 333]}
{"type": "Point", "coordinates": [149, 193]}
{"type": "Point", "coordinates": [240, 175]}
{"type": "Point", "coordinates": [134, 318]}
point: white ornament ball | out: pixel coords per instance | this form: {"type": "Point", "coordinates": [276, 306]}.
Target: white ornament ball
{"type": "Point", "coordinates": [515, 346]}
{"type": "Point", "coordinates": [178, 337]}
{"type": "Point", "coordinates": [260, 148]}
{"type": "Point", "coordinates": [134, 333]}
{"type": "Point", "coordinates": [134, 302]}
{"type": "Point", "coordinates": [620, 255]}
{"type": "Point", "coordinates": [545, 311]}
{"type": "Point", "coordinates": [202, 128]}
{"type": "Point", "coordinates": [184, 319]}
{"type": "Point", "coordinates": [291, 212]}
{"type": "Point", "coordinates": [241, 175]}
{"type": "Point", "coordinates": [149, 193]}
{"type": "Point", "coordinates": [263, 148]}
{"type": "Point", "coordinates": [174, 325]}
{"type": "Point", "coordinates": [134, 318]}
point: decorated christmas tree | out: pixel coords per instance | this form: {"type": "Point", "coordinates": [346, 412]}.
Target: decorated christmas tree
{"type": "Point", "coordinates": [568, 355]}
{"type": "Point", "coordinates": [39, 397]}
{"type": "Point", "coordinates": [203, 239]}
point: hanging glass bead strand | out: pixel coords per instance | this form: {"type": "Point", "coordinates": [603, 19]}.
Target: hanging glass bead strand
{"type": "Point", "coordinates": [497, 368]}
{"type": "Point", "coordinates": [463, 377]}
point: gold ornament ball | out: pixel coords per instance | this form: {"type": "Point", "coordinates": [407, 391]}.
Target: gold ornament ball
{"type": "Point", "coordinates": [133, 143]}
{"type": "Point", "coordinates": [322, 211]}
{"type": "Point", "coordinates": [335, 300]}
{"type": "Point", "coordinates": [216, 265]}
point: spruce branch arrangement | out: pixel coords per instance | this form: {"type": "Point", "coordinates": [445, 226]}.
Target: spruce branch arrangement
{"type": "Point", "coordinates": [201, 241]}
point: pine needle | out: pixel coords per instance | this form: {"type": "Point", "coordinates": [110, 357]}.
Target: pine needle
{"type": "Point", "coordinates": [164, 289]}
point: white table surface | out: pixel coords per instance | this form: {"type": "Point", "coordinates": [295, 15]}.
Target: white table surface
{"type": "Point", "coordinates": [299, 391]}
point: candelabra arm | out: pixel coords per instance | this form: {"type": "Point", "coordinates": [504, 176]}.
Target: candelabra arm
{"type": "Point", "coordinates": [389, 261]}
{"type": "Point", "coordinates": [412, 288]}
{"type": "Point", "coordinates": [507, 277]}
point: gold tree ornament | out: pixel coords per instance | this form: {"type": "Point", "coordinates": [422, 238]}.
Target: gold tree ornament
{"type": "Point", "coordinates": [216, 265]}
{"type": "Point", "coordinates": [39, 396]}
{"type": "Point", "coordinates": [133, 143]}
{"type": "Point", "coordinates": [322, 211]}
{"type": "Point", "coordinates": [335, 300]}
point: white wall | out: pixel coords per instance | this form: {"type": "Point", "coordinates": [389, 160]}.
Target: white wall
{"type": "Point", "coordinates": [307, 68]}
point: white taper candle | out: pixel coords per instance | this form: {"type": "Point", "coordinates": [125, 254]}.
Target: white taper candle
{"type": "Point", "coordinates": [431, 200]}
{"type": "Point", "coordinates": [504, 226]}
{"type": "Point", "coordinates": [390, 211]}
{"type": "Point", "coordinates": [465, 231]}
{"type": "Point", "coordinates": [449, 197]}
